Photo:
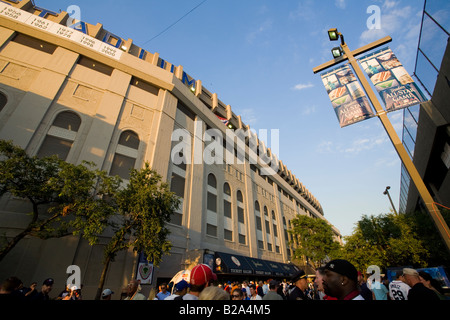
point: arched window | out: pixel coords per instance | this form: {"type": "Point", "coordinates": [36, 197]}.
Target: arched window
{"type": "Point", "coordinates": [61, 135]}
{"type": "Point", "coordinates": [267, 227]}
{"type": "Point", "coordinates": [239, 196]}
{"type": "Point", "coordinates": [211, 206]}
{"type": "Point", "coordinates": [259, 225]}
{"type": "Point", "coordinates": [3, 101]}
{"type": "Point", "coordinates": [227, 200]}
{"type": "Point", "coordinates": [228, 218]}
{"type": "Point", "coordinates": [125, 155]}
{"type": "Point", "coordinates": [212, 182]}
{"type": "Point", "coordinates": [242, 230]}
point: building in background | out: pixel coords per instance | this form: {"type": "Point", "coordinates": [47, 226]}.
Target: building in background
{"type": "Point", "coordinates": [426, 128]}
{"type": "Point", "coordinates": [83, 93]}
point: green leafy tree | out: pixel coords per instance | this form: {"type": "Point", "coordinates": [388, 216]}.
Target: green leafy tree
{"type": "Point", "coordinates": [424, 227]}
{"type": "Point", "coordinates": [65, 199]}
{"type": "Point", "coordinates": [313, 238]}
{"type": "Point", "coordinates": [384, 240]}
{"type": "Point", "coordinates": [145, 205]}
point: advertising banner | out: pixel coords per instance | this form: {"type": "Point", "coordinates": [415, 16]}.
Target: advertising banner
{"type": "Point", "coordinates": [393, 83]}
{"type": "Point", "coordinates": [347, 96]}
{"type": "Point", "coordinates": [144, 271]}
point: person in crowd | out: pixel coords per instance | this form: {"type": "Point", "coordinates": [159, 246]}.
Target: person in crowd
{"type": "Point", "coordinates": [418, 291]}
{"type": "Point", "coordinates": [364, 289]}
{"type": "Point", "coordinates": [107, 294]}
{"type": "Point", "coordinates": [254, 293]}
{"type": "Point", "coordinates": [8, 290]}
{"type": "Point", "coordinates": [272, 293]}
{"type": "Point", "coordinates": [181, 289]}
{"type": "Point", "coordinates": [379, 290]}
{"type": "Point", "coordinates": [398, 289]}
{"type": "Point", "coordinates": [432, 284]}
{"type": "Point", "coordinates": [46, 288]}
{"type": "Point", "coordinates": [213, 293]}
{"type": "Point", "coordinates": [246, 293]}
{"type": "Point", "coordinates": [237, 294]}
{"type": "Point", "coordinates": [163, 293]}
{"type": "Point", "coordinates": [201, 277]}
{"type": "Point", "coordinates": [133, 291]}
{"type": "Point", "coordinates": [318, 283]}
{"type": "Point", "coordinates": [300, 286]}
{"type": "Point", "coordinates": [260, 289]}
{"type": "Point", "coordinates": [341, 280]}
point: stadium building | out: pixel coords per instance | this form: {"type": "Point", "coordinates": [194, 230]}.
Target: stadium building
{"type": "Point", "coordinates": [78, 91]}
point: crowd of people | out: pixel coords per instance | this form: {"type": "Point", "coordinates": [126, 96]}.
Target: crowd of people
{"type": "Point", "coordinates": [337, 280]}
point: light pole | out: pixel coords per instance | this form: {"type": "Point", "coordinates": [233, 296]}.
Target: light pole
{"type": "Point", "coordinates": [386, 192]}
{"type": "Point", "coordinates": [347, 54]}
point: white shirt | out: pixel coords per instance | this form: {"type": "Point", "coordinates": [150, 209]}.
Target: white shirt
{"type": "Point", "coordinates": [398, 290]}
{"type": "Point", "coordinates": [257, 297]}
{"type": "Point", "coordinates": [189, 296]}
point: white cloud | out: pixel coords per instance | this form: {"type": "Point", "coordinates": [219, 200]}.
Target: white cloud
{"type": "Point", "coordinates": [340, 4]}
{"type": "Point", "coordinates": [309, 110]}
{"type": "Point", "coordinates": [302, 86]}
{"type": "Point", "coordinates": [261, 30]}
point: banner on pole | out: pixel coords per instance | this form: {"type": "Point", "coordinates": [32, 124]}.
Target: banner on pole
{"type": "Point", "coordinates": [347, 96]}
{"type": "Point", "coordinates": [144, 271]}
{"type": "Point", "coordinates": [395, 86]}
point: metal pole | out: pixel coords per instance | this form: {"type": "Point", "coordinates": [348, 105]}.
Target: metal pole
{"type": "Point", "coordinates": [390, 199]}
{"type": "Point", "coordinates": [398, 145]}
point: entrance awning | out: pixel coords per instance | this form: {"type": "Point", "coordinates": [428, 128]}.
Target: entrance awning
{"type": "Point", "coordinates": [225, 263]}
{"type": "Point", "coordinates": [231, 264]}
{"type": "Point", "coordinates": [260, 267]}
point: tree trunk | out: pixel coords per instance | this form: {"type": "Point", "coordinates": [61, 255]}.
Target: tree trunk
{"type": "Point", "coordinates": [13, 243]}
{"type": "Point", "coordinates": [10, 245]}
{"type": "Point", "coordinates": [103, 278]}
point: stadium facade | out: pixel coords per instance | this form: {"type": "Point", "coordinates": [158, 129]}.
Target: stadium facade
{"type": "Point", "coordinates": [78, 91]}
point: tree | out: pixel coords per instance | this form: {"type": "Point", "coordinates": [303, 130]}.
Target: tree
{"type": "Point", "coordinates": [66, 199]}
{"type": "Point", "coordinates": [384, 240]}
{"type": "Point", "coordinates": [424, 227]}
{"type": "Point", "coordinates": [314, 239]}
{"type": "Point", "coordinates": [145, 205]}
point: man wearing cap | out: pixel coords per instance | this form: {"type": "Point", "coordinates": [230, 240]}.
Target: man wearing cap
{"type": "Point", "coordinates": [201, 277]}
{"type": "Point", "coordinates": [300, 286]}
{"type": "Point", "coordinates": [341, 280]}
{"type": "Point", "coordinates": [107, 294]}
{"type": "Point", "coordinates": [418, 291]}
{"type": "Point", "coordinates": [180, 290]}
{"type": "Point", "coordinates": [47, 286]}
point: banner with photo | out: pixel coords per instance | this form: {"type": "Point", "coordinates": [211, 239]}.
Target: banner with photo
{"type": "Point", "coordinates": [394, 85]}
{"type": "Point", "coordinates": [347, 96]}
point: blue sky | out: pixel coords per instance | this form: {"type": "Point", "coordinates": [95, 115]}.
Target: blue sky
{"type": "Point", "coordinates": [258, 56]}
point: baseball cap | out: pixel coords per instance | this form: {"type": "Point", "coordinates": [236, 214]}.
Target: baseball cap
{"type": "Point", "coordinates": [344, 268]}
{"type": "Point", "coordinates": [48, 282]}
{"type": "Point", "coordinates": [107, 292]}
{"type": "Point", "coordinates": [201, 274]}
{"type": "Point", "coordinates": [299, 275]}
{"type": "Point", "coordinates": [182, 285]}
{"type": "Point", "coordinates": [410, 272]}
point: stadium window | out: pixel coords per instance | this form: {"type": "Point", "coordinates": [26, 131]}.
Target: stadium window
{"type": "Point", "coordinates": [126, 155]}
{"type": "Point", "coordinates": [61, 136]}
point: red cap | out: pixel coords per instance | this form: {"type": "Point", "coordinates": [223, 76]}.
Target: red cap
{"type": "Point", "coordinates": [201, 274]}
